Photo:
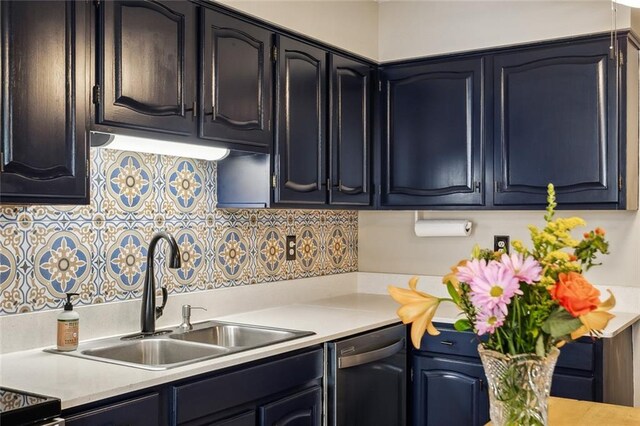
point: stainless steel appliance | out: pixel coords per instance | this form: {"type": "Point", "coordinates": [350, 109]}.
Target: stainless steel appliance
{"type": "Point", "coordinates": [366, 379]}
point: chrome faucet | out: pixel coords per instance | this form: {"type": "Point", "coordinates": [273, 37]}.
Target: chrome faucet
{"type": "Point", "coordinates": [150, 312]}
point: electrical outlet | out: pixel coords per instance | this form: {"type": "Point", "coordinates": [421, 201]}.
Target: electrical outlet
{"type": "Point", "coordinates": [501, 243]}
{"type": "Point", "coordinates": [291, 247]}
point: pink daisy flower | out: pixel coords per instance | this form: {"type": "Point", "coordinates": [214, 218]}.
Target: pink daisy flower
{"type": "Point", "coordinates": [527, 270]}
{"type": "Point", "coordinates": [494, 287]}
{"type": "Point", "coordinates": [488, 321]}
{"type": "Point", "coordinates": [471, 269]}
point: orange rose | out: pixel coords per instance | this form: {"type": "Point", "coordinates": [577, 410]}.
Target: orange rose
{"type": "Point", "coordinates": [575, 294]}
{"type": "Point", "coordinates": [600, 231]}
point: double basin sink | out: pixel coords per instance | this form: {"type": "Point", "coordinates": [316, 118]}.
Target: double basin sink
{"type": "Point", "coordinates": [178, 347]}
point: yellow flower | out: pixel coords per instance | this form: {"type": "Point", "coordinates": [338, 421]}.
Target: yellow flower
{"type": "Point", "coordinates": [597, 319]}
{"type": "Point", "coordinates": [451, 276]}
{"type": "Point", "coordinates": [417, 308]}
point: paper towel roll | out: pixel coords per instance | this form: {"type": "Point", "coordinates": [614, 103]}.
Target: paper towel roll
{"type": "Point", "coordinates": [442, 228]}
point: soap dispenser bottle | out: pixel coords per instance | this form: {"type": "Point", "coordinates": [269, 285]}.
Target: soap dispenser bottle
{"type": "Point", "coordinates": [68, 323]}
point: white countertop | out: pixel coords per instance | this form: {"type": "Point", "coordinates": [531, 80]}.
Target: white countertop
{"type": "Point", "coordinates": [78, 381]}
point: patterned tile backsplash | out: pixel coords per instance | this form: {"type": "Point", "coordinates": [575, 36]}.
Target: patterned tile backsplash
{"type": "Point", "coordinates": [100, 250]}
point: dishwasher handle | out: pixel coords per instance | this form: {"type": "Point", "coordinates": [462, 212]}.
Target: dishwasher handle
{"type": "Point", "coordinates": [371, 356]}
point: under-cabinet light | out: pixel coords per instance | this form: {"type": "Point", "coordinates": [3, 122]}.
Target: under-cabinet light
{"type": "Point", "coordinates": [157, 146]}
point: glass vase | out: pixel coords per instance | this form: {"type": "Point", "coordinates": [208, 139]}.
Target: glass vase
{"type": "Point", "coordinates": [519, 386]}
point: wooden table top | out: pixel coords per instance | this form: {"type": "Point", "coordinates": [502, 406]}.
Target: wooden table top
{"type": "Point", "coordinates": [571, 412]}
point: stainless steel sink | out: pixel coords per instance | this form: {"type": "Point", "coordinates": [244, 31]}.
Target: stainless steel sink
{"type": "Point", "coordinates": [178, 347]}
{"type": "Point", "coordinates": [237, 336]}
{"type": "Point", "coordinates": [157, 353]}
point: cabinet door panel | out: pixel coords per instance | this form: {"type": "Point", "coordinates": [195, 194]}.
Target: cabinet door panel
{"type": "Point", "coordinates": [44, 140]}
{"type": "Point", "coordinates": [448, 391]}
{"type": "Point", "coordinates": [556, 121]}
{"type": "Point", "coordinates": [141, 411]}
{"type": "Point", "coordinates": [148, 65]}
{"type": "Point", "coordinates": [237, 81]}
{"type": "Point", "coordinates": [301, 409]}
{"type": "Point", "coordinates": [573, 387]}
{"type": "Point", "coordinates": [434, 140]}
{"type": "Point", "coordinates": [350, 135]}
{"type": "Point", "coordinates": [301, 141]}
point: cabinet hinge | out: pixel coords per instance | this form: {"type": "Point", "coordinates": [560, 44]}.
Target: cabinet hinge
{"type": "Point", "coordinates": [620, 183]}
{"type": "Point", "coordinates": [620, 58]}
{"type": "Point", "coordinates": [328, 184]}
{"type": "Point", "coordinates": [274, 53]}
{"type": "Point", "coordinates": [96, 94]}
{"type": "Point", "coordinates": [1, 162]}
{"type": "Point", "coordinates": [478, 186]}
{"type": "Point", "coordinates": [274, 181]}
{"type": "Point", "coordinates": [411, 375]}
{"type": "Point", "coordinates": [379, 85]}
{"type": "Point", "coordinates": [497, 186]}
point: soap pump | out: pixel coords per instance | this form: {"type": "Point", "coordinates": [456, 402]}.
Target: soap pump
{"type": "Point", "coordinates": [68, 324]}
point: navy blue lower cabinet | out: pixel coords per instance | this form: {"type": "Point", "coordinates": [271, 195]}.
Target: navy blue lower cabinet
{"type": "Point", "coordinates": [449, 392]}
{"type": "Point", "coordinates": [142, 411]}
{"type": "Point", "coordinates": [244, 419]}
{"type": "Point", "coordinates": [302, 409]}
{"type": "Point", "coordinates": [450, 388]}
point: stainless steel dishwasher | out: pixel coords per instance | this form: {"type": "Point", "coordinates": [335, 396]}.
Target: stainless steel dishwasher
{"type": "Point", "coordinates": [366, 379]}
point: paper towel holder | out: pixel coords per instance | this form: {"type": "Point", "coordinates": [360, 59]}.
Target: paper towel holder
{"type": "Point", "coordinates": [441, 227]}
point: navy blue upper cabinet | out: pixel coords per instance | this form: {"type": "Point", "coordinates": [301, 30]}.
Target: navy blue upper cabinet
{"type": "Point", "coordinates": [147, 65]}
{"type": "Point", "coordinates": [433, 138]}
{"type": "Point", "coordinates": [236, 81]}
{"type": "Point", "coordinates": [556, 120]}
{"type": "Point", "coordinates": [44, 104]}
{"type": "Point", "coordinates": [301, 141]}
{"type": "Point", "coordinates": [350, 146]}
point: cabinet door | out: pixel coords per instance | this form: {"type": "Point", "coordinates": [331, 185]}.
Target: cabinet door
{"type": "Point", "coordinates": [301, 140]}
{"type": "Point", "coordinates": [433, 138]}
{"type": "Point", "coordinates": [350, 132]}
{"type": "Point", "coordinates": [449, 392]}
{"type": "Point", "coordinates": [301, 409]}
{"type": "Point", "coordinates": [44, 139]}
{"type": "Point", "coordinates": [237, 81]}
{"type": "Point", "coordinates": [573, 387]}
{"type": "Point", "coordinates": [147, 65]}
{"type": "Point", "coordinates": [555, 121]}
{"type": "Point", "coordinates": [141, 411]}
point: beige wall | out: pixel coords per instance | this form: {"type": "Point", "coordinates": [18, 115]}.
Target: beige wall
{"type": "Point", "coordinates": [351, 25]}
{"type": "Point", "coordinates": [387, 243]}
{"type": "Point", "coordinates": [410, 29]}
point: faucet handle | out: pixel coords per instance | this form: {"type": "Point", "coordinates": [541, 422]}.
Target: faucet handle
{"type": "Point", "coordinates": [165, 296]}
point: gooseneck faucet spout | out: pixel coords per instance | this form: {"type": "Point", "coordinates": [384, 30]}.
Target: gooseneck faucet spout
{"type": "Point", "coordinates": [150, 312]}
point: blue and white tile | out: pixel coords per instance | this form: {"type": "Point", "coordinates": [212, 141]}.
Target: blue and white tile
{"type": "Point", "coordinates": [184, 188]}
{"type": "Point", "coordinates": [15, 268]}
{"type": "Point", "coordinates": [232, 257]}
{"type": "Point", "coordinates": [193, 272]}
{"type": "Point", "coordinates": [271, 255]}
{"type": "Point", "coordinates": [124, 249]}
{"type": "Point", "coordinates": [62, 258]}
{"type": "Point", "coordinates": [130, 186]}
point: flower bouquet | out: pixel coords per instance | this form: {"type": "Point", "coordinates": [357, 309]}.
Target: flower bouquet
{"type": "Point", "coordinates": [523, 307]}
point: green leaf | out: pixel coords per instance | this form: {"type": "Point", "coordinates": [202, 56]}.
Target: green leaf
{"type": "Point", "coordinates": [453, 293]}
{"type": "Point", "coordinates": [560, 323]}
{"type": "Point", "coordinates": [462, 325]}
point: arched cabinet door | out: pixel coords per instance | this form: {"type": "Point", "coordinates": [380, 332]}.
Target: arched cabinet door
{"type": "Point", "coordinates": [433, 139]}
{"type": "Point", "coordinates": [301, 409]}
{"type": "Point", "coordinates": [350, 147]}
{"type": "Point", "coordinates": [449, 391]}
{"type": "Point", "coordinates": [147, 65]}
{"type": "Point", "coordinates": [44, 66]}
{"type": "Point", "coordinates": [236, 81]}
{"type": "Point", "coordinates": [300, 146]}
{"type": "Point", "coordinates": [556, 120]}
